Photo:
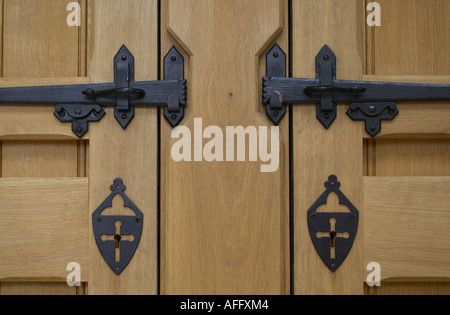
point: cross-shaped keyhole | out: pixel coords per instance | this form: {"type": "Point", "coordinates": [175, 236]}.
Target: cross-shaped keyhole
{"type": "Point", "coordinates": [333, 236]}
{"type": "Point", "coordinates": [118, 238]}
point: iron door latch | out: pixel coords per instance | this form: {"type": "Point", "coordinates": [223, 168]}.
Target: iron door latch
{"type": "Point", "coordinates": [82, 104]}
{"type": "Point", "coordinates": [371, 102]}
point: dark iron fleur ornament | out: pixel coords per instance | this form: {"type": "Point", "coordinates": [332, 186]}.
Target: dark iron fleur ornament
{"type": "Point", "coordinates": [117, 237]}
{"type": "Point", "coordinates": [333, 234]}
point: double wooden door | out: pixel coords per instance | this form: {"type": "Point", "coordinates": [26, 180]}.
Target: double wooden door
{"type": "Point", "coordinates": [213, 226]}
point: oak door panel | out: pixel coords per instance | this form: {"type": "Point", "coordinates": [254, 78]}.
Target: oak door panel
{"type": "Point", "coordinates": [319, 153]}
{"type": "Point", "coordinates": [45, 206]}
{"type": "Point", "coordinates": [39, 48]}
{"type": "Point", "coordinates": [410, 156]}
{"type": "Point", "coordinates": [224, 225]}
{"type": "Point", "coordinates": [406, 162]}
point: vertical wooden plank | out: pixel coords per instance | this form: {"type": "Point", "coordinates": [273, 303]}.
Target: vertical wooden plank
{"type": "Point", "coordinates": [48, 47]}
{"type": "Point", "coordinates": [1, 37]}
{"type": "Point", "coordinates": [417, 31]}
{"type": "Point", "coordinates": [37, 43]}
{"type": "Point", "coordinates": [82, 158]}
{"type": "Point", "coordinates": [82, 39]}
{"type": "Point", "coordinates": [224, 225]}
{"type": "Point", "coordinates": [319, 153]}
{"type": "Point", "coordinates": [129, 154]}
{"type": "Point", "coordinates": [1, 159]}
{"type": "Point", "coordinates": [369, 40]}
{"type": "Point", "coordinates": [370, 165]}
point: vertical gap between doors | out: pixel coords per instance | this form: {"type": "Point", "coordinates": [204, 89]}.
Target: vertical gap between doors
{"type": "Point", "coordinates": [291, 159]}
{"type": "Point", "coordinates": [158, 202]}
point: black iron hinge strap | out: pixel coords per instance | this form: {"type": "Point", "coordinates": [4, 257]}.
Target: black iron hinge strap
{"type": "Point", "coordinates": [307, 91]}
{"type": "Point", "coordinates": [81, 104]}
{"type": "Point", "coordinates": [370, 101]}
{"type": "Point", "coordinates": [146, 93]}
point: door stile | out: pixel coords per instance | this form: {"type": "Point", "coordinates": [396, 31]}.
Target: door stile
{"type": "Point", "coordinates": [194, 223]}
{"type": "Point", "coordinates": [319, 153]}
{"type": "Point", "coordinates": [130, 154]}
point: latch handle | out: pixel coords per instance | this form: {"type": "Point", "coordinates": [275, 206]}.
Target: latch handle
{"type": "Point", "coordinates": [334, 89]}
{"type": "Point", "coordinates": [114, 92]}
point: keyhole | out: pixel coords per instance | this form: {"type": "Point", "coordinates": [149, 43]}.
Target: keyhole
{"type": "Point", "coordinates": [117, 238]}
{"type": "Point", "coordinates": [333, 239]}
{"type": "Point", "coordinates": [333, 236]}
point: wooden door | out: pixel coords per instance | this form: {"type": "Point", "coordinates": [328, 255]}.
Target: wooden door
{"type": "Point", "coordinates": [224, 224]}
{"type": "Point", "coordinates": [215, 221]}
{"type": "Point", "coordinates": [398, 180]}
{"type": "Point", "coordinates": [51, 181]}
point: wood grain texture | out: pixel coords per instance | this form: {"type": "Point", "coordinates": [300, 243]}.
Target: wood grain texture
{"type": "Point", "coordinates": [47, 81]}
{"type": "Point", "coordinates": [33, 122]}
{"type": "Point", "coordinates": [1, 154]}
{"type": "Point", "coordinates": [224, 225]}
{"type": "Point", "coordinates": [319, 153]}
{"type": "Point", "coordinates": [44, 227]}
{"type": "Point", "coordinates": [413, 38]}
{"type": "Point", "coordinates": [38, 48]}
{"type": "Point", "coordinates": [411, 288]}
{"type": "Point", "coordinates": [39, 159]}
{"type": "Point", "coordinates": [48, 47]}
{"type": "Point", "coordinates": [83, 38]}
{"type": "Point", "coordinates": [37, 288]}
{"type": "Point", "coordinates": [409, 47]}
{"type": "Point", "coordinates": [413, 157]}
{"type": "Point", "coordinates": [1, 39]}
{"type": "Point", "coordinates": [129, 154]}
{"type": "Point", "coordinates": [404, 218]}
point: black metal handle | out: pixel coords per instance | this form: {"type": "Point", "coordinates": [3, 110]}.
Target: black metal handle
{"type": "Point", "coordinates": [115, 92]}
{"type": "Point", "coordinates": [335, 89]}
